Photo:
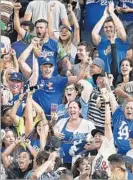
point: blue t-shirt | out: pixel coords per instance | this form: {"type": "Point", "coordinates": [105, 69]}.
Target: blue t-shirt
{"type": "Point", "coordinates": [94, 11]}
{"type": "Point", "coordinates": [126, 16]}
{"type": "Point", "coordinates": [50, 93]}
{"type": "Point", "coordinates": [20, 47]}
{"type": "Point", "coordinates": [121, 126]}
{"type": "Point", "coordinates": [104, 51]}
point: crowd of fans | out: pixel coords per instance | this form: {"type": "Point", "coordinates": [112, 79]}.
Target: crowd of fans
{"type": "Point", "coordinates": [66, 89]}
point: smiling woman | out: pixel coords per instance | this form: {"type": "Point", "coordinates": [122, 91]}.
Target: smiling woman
{"type": "Point", "coordinates": [73, 132]}
{"type": "Point", "coordinates": [79, 92]}
{"type": "Point", "coordinates": [125, 76]}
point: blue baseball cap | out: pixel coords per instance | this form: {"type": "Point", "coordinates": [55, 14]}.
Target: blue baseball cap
{"type": "Point", "coordinates": [99, 62]}
{"type": "Point", "coordinates": [47, 60]}
{"type": "Point", "coordinates": [131, 134]}
{"type": "Point", "coordinates": [16, 76]}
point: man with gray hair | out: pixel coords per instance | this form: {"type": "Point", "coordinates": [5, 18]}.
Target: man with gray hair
{"type": "Point", "coordinates": [122, 120]}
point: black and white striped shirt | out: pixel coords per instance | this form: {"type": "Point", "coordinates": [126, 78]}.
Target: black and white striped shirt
{"type": "Point", "coordinates": [96, 114]}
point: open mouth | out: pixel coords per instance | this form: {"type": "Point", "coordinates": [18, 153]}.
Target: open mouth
{"type": "Point", "coordinates": [124, 70]}
{"type": "Point", "coordinates": [129, 114]}
{"type": "Point", "coordinates": [87, 169]}
{"type": "Point", "coordinates": [69, 94]}
{"type": "Point", "coordinates": [73, 113]}
{"type": "Point", "coordinates": [47, 72]}
{"type": "Point", "coordinates": [21, 163]}
{"type": "Point", "coordinates": [38, 34]}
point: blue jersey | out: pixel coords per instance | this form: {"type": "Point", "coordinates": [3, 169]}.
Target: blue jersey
{"type": "Point", "coordinates": [69, 140]}
{"type": "Point", "coordinates": [126, 16]}
{"type": "Point", "coordinates": [94, 12]}
{"type": "Point", "coordinates": [50, 93]}
{"type": "Point", "coordinates": [104, 51]}
{"type": "Point", "coordinates": [20, 47]}
{"type": "Point", "coordinates": [122, 126]}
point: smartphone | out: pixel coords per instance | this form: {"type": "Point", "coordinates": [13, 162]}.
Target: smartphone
{"type": "Point", "coordinates": [54, 108]}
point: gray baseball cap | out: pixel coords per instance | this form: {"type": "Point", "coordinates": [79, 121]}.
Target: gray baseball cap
{"type": "Point", "coordinates": [99, 62]}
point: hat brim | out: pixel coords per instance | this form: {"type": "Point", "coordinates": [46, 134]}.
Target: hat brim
{"type": "Point", "coordinates": [13, 79]}
{"type": "Point", "coordinates": [128, 160]}
{"type": "Point", "coordinates": [66, 27]}
{"type": "Point", "coordinates": [95, 76]}
{"type": "Point", "coordinates": [47, 63]}
{"type": "Point", "coordinates": [95, 131]}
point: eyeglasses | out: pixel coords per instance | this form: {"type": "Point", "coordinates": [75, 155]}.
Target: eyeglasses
{"type": "Point", "coordinates": [69, 89]}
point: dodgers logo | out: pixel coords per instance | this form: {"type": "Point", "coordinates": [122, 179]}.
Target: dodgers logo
{"type": "Point", "coordinates": [49, 85]}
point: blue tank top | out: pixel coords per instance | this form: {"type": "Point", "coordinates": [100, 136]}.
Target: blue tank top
{"type": "Point", "coordinates": [66, 144]}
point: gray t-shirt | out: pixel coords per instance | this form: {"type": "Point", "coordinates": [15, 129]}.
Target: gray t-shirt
{"type": "Point", "coordinates": [76, 69]}
{"type": "Point", "coordinates": [39, 10]}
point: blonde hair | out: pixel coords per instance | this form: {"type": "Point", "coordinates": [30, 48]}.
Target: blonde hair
{"type": "Point", "coordinates": [5, 78]}
{"type": "Point", "coordinates": [118, 174]}
{"type": "Point", "coordinates": [67, 46]}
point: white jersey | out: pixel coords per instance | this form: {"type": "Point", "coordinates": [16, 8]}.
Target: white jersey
{"type": "Point", "coordinates": [101, 160]}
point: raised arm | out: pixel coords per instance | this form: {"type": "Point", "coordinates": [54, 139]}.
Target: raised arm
{"type": "Point", "coordinates": [14, 117]}
{"type": "Point", "coordinates": [25, 68]}
{"type": "Point", "coordinates": [39, 110]}
{"type": "Point", "coordinates": [8, 151]}
{"type": "Point", "coordinates": [31, 149]}
{"type": "Point", "coordinates": [108, 129]}
{"type": "Point", "coordinates": [15, 61]}
{"type": "Point", "coordinates": [76, 25]}
{"type": "Point", "coordinates": [75, 79]}
{"type": "Point", "coordinates": [44, 167]}
{"type": "Point", "coordinates": [50, 22]}
{"type": "Point", "coordinates": [112, 98]}
{"type": "Point", "coordinates": [35, 72]}
{"type": "Point", "coordinates": [87, 90]}
{"type": "Point", "coordinates": [95, 32]}
{"type": "Point", "coordinates": [118, 24]}
{"type": "Point", "coordinates": [114, 65]}
{"type": "Point", "coordinates": [63, 15]}
{"type": "Point", "coordinates": [17, 27]}
{"type": "Point", "coordinates": [43, 133]}
{"type": "Point", "coordinates": [28, 115]}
